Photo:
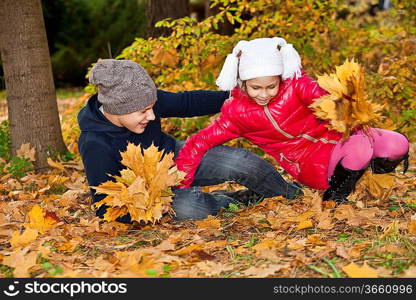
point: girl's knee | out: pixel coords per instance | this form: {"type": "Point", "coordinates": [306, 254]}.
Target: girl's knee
{"type": "Point", "coordinates": [390, 144]}
{"type": "Point", "coordinates": [360, 148]}
{"type": "Point", "coordinates": [356, 152]}
{"type": "Point", "coordinates": [401, 145]}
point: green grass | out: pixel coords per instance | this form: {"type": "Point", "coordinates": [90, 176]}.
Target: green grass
{"type": "Point", "coordinates": [61, 93]}
{"type": "Point", "coordinates": [69, 92]}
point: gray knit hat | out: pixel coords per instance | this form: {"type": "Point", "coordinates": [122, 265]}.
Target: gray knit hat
{"type": "Point", "coordinates": [123, 86]}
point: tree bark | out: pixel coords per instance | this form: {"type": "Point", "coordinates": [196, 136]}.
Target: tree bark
{"type": "Point", "coordinates": [158, 10]}
{"type": "Point", "coordinates": [31, 99]}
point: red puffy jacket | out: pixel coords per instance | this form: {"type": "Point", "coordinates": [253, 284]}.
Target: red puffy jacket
{"type": "Point", "coordinates": [285, 128]}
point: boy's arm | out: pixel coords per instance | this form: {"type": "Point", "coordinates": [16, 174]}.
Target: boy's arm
{"type": "Point", "coordinates": [189, 157]}
{"type": "Point", "coordinates": [308, 90]}
{"type": "Point", "coordinates": [189, 104]}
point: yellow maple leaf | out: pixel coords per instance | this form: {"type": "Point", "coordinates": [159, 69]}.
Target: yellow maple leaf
{"type": "Point", "coordinates": [143, 187]}
{"type": "Point", "coordinates": [151, 158]}
{"type": "Point", "coordinates": [355, 271]}
{"type": "Point", "coordinates": [346, 107]}
{"type": "Point", "coordinates": [332, 84]}
{"type": "Point", "coordinates": [304, 224]}
{"type": "Point", "coordinates": [266, 244]}
{"type": "Point", "coordinates": [132, 158]}
{"type": "Point", "coordinates": [21, 240]}
{"type": "Point", "coordinates": [115, 212]}
{"type": "Point", "coordinates": [379, 184]}
{"type": "Point", "coordinates": [188, 249]}
{"type": "Point", "coordinates": [40, 220]}
{"type": "Point", "coordinates": [412, 227]}
{"type": "Point", "coordinates": [346, 70]}
{"type": "Point", "coordinates": [209, 222]}
{"type": "Point", "coordinates": [55, 164]}
{"type": "Point", "coordinates": [70, 245]}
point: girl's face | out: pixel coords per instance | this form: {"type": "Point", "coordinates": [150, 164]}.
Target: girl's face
{"type": "Point", "coordinates": [138, 120]}
{"type": "Point", "coordinates": [262, 89]}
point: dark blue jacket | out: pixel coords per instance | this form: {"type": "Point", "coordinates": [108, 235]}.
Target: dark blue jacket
{"type": "Point", "coordinates": [101, 141]}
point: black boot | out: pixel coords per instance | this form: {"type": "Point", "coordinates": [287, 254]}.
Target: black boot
{"type": "Point", "coordinates": [382, 165]}
{"type": "Point", "coordinates": [342, 183]}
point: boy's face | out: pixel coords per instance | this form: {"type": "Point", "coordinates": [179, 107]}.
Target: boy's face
{"type": "Point", "coordinates": [262, 89]}
{"type": "Point", "coordinates": [138, 120]}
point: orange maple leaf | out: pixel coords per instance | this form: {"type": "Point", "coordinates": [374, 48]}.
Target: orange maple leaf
{"type": "Point", "coordinates": [346, 107]}
{"type": "Point", "coordinates": [143, 187]}
{"type": "Point", "coordinates": [355, 271]}
{"type": "Point", "coordinates": [21, 240]}
{"type": "Point", "coordinates": [41, 220]}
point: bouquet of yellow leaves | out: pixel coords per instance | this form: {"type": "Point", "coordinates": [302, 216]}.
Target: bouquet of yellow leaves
{"type": "Point", "coordinates": [346, 106]}
{"type": "Point", "coordinates": [143, 189]}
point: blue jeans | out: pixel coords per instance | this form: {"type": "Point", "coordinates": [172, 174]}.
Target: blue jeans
{"type": "Point", "coordinates": [221, 164]}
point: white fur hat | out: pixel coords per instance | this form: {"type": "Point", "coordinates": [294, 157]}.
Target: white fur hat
{"type": "Point", "coordinates": [259, 58]}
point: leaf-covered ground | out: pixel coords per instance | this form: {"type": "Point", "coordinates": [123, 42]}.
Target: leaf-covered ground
{"type": "Point", "coordinates": [48, 229]}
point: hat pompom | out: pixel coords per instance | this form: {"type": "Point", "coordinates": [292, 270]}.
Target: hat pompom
{"type": "Point", "coordinates": [227, 79]}
{"type": "Point", "coordinates": [291, 60]}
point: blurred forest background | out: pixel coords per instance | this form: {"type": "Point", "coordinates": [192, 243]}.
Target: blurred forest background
{"type": "Point", "coordinates": [80, 31]}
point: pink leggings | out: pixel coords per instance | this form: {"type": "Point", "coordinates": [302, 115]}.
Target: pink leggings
{"type": "Point", "coordinates": [358, 150]}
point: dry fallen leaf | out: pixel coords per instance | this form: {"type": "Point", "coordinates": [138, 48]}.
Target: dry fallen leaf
{"type": "Point", "coordinates": [137, 263]}
{"type": "Point", "coordinates": [412, 227]}
{"type": "Point", "coordinates": [211, 268]}
{"type": "Point", "coordinates": [41, 220]}
{"type": "Point", "coordinates": [355, 271]}
{"type": "Point", "coordinates": [262, 271]}
{"type": "Point", "coordinates": [187, 250]}
{"type": "Point", "coordinates": [55, 164]}
{"type": "Point", "coordinates": [209, 222]}
{"type": "Point", "coordinates": [25, 151]}
{"type": "Point", "coordinates": [304, 224]}
{"type": "Point", "coordinates": [410, 273]}
{"type": "Point", "coordinates": [22, 260]}
{"type": "Point", "coordinates": [378, 184]}
{"type": "Point", "coordinates": [21, 240]}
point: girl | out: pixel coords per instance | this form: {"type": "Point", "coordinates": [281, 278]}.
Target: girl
{"type": "Point", "coordinates": [270, 95]}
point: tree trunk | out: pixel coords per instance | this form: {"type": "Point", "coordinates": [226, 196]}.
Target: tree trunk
{"type": "Point", "coordinates": [225, 28]}
{"type": "Point", "coordinates": [161, 9]}
{"type": "Point", "coordinates": [31, 99]}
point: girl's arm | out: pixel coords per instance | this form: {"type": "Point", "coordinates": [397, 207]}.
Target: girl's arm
{"type": "Point", "coordinates": [217, 133]}
{"type": "Point", "coordinates": [308, 90]}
